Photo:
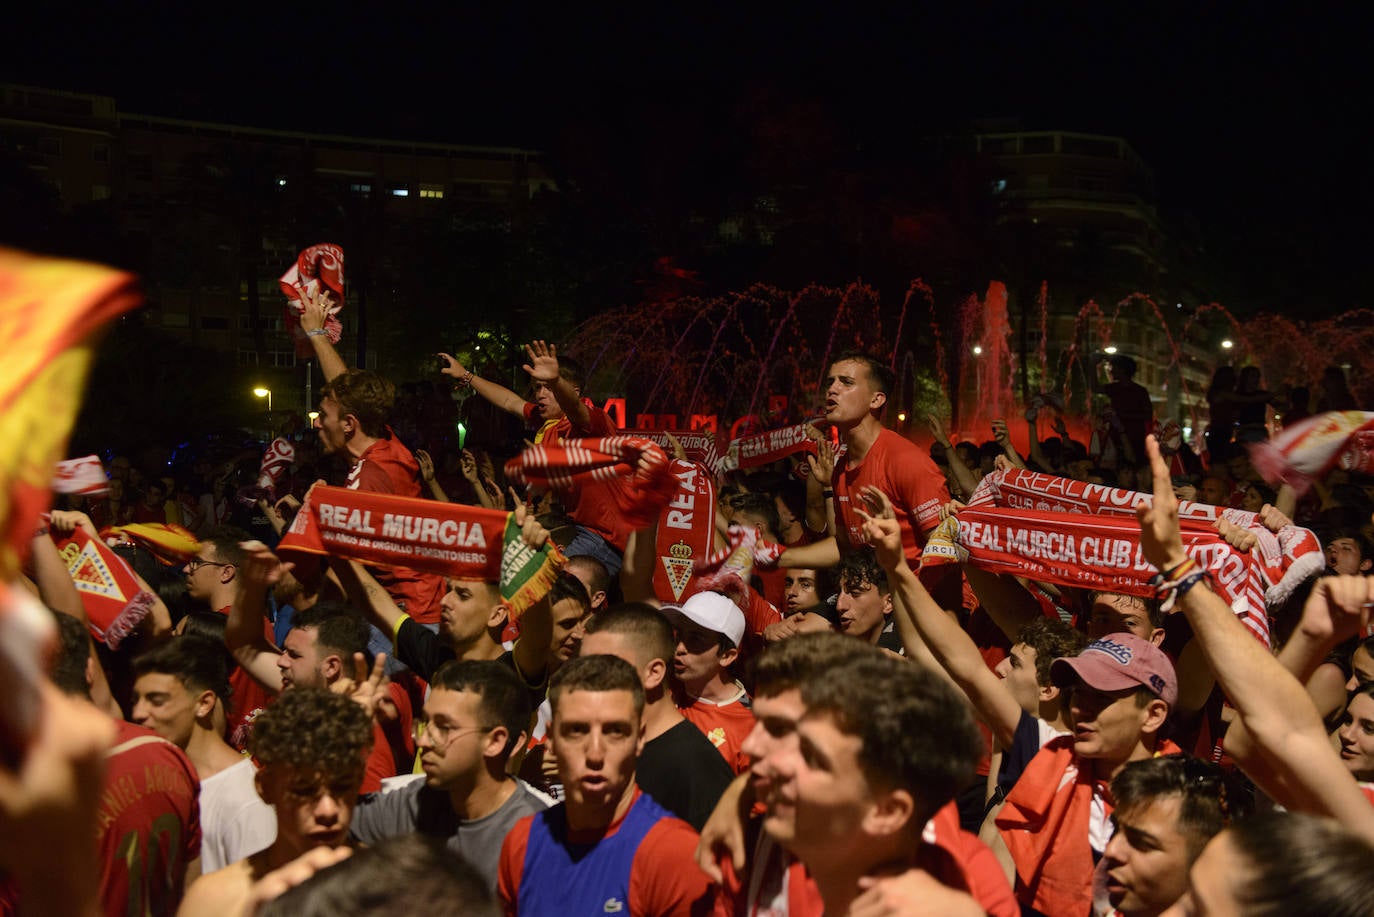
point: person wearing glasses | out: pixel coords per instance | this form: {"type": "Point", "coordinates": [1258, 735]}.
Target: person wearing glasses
{"type": "Point", "coordinates": [475, 717]}
{"type": "Point", "coordinates": [212, 578]}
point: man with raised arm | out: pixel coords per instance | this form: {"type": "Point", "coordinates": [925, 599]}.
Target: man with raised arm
{"type": "Point", "coordinates": [1020, 704]}
{"type": "Point", "coordinates": [857, 387]}
{"type": "Point", "coordinates": [323, 649]}
{"type": "Point", "coordinates": [353, 410]}
{"type": "Point", "coordinates": [213, 577]}
{"type": "Point", "coordinates": [473, 615]}
{"type": "Point", "coordinates": [608, 848]}
{"type": "Point", "coordinates": [561, 414]}
{"type": "Point", "coordinates": [1278, 737]}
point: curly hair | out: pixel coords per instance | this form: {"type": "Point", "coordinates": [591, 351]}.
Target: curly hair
{"type": "Point", "coordinates": [860, 567]}
{"type": "Point", "coordinates": [312, 730]}
{"type": "Point", "coordinates": [1051, 639]}
{"type": "Point", "coordinates": [364, 394]}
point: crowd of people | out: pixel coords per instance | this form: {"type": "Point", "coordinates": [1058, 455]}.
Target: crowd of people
{"type": "Point", "coordinates": [847, 726]}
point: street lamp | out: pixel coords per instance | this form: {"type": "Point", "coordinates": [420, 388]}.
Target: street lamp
{"type": "Point", "coordinates": [977, 350]}
{"type": "Point", "coordinates": [1227, 344]}
{"type": "Point", "coordinates": [1109, 349]}
{"type": "Point", "coordinates": [264, 393]}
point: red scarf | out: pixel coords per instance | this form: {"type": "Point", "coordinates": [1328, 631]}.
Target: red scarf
{"type": "Point", "coordinates": [697, 445]}
{"type": "Point", "coordinates": [450, 539]}
{"type": "Point", "coordinates": [318, 266]}
{"type": "Point", "coordinates": [1045, 826]}
{"type": "Point", "coordinates": [114, 600]}
{"type": "Point", "coordinates": [84, 476]}
{"type": "Point", "coordinates": [645, 482]}
{"type": "Point", "coordinates": [767, 447]}
{"type": "Point", "coordinates": [686, 532]}
{"type": "Point", "coordinates": [1086, 535]}
{"type": "Point", "coordinates": [1312, 447]}
{"type": "Point", "coordinates": [276, 461]}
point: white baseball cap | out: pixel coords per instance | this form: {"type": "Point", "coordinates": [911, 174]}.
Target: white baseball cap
{"type": "Point", "coordinates": [710, 610]}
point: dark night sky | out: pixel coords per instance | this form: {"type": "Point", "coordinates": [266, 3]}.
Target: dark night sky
{"type": "Point", "coordinates": [1250, 119]}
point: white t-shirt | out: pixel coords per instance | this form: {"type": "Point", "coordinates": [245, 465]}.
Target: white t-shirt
{"type": "Point", "coordinates": [234, 821]}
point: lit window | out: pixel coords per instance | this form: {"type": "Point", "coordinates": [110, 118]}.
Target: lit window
{"type": "Point", "coordinates": [400, 191]}
{"type": "Point", "coordinates": [362, 188]}
{"type": "Point", "coordinates": [432, 191]}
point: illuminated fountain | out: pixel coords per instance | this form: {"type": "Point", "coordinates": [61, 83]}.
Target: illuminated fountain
{"type": "Point", "coordinates": [760, 354]}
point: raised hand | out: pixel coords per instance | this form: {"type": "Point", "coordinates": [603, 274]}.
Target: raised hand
{"type": "Point", "coordinates": [467, 463]}
{"type": "Point", "coordinates": [366, 688]}
{"type": "Point", "coordinates": [881, 528]}
{"type": "Point", "coordinates": [937, 429]}
{"type": "Point", "coordinates": [543, 364]}
{"type": "Point", "coordinates": [1338, 607]}
{"type": "Point", "coordinates": [1161, 542]}
{"type": "Point", "coordinates": [315, 305]}
{"type": "Point", "coordinates": [64, 522]}
{"type": "Point", "coordinates": [426, 465]}
{"type": "Point", "coordinates": [452, 367]}
{"type": "Point", "coordinates": [822, 464]}
{"type": "Point", "coordinates": [260, 568]}
{"type": "Point", "coordinates": [534, 535]}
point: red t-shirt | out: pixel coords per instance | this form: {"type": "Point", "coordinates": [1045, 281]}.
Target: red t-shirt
{"type": "Point", "coordinates": [954, 857]}
{"type": "Point", "coordinates": [911, 481]}
{"type": "Point", "coordinates": [593, 504]}
{"type": "Point", "coordinates": [726, 725]}
{"type": "Point", "coordinates": [247, 698]}
{"type": "Point", "coordinates": [148, 823]}
{"type": "Point", "coordinates": [387, 467]}
{"type": "Point", "coordinates": [664, 878]}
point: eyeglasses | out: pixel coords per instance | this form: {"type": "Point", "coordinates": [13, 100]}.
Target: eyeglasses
{"type": "Point", "coordinates": [195, 563]}
{"type": "Point", "coordinates": [440, 734]}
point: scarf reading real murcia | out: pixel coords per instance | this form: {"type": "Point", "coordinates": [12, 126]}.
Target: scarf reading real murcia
{"type": "Point", "coordinates": [1086, 535]}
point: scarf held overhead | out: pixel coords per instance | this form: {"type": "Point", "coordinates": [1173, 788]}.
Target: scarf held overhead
{"type": "Point", "coordinates": [450, 539]}
{"type": "Point", "coordinates": [317, 268]}
{"type": "Point", "coordinates": [643, 478]}
{"type": "Point", "coordinates": [1086, 535]}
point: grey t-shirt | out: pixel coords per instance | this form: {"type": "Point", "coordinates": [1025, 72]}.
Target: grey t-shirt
{"type": "Point", "coordinates": [420, 809]}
